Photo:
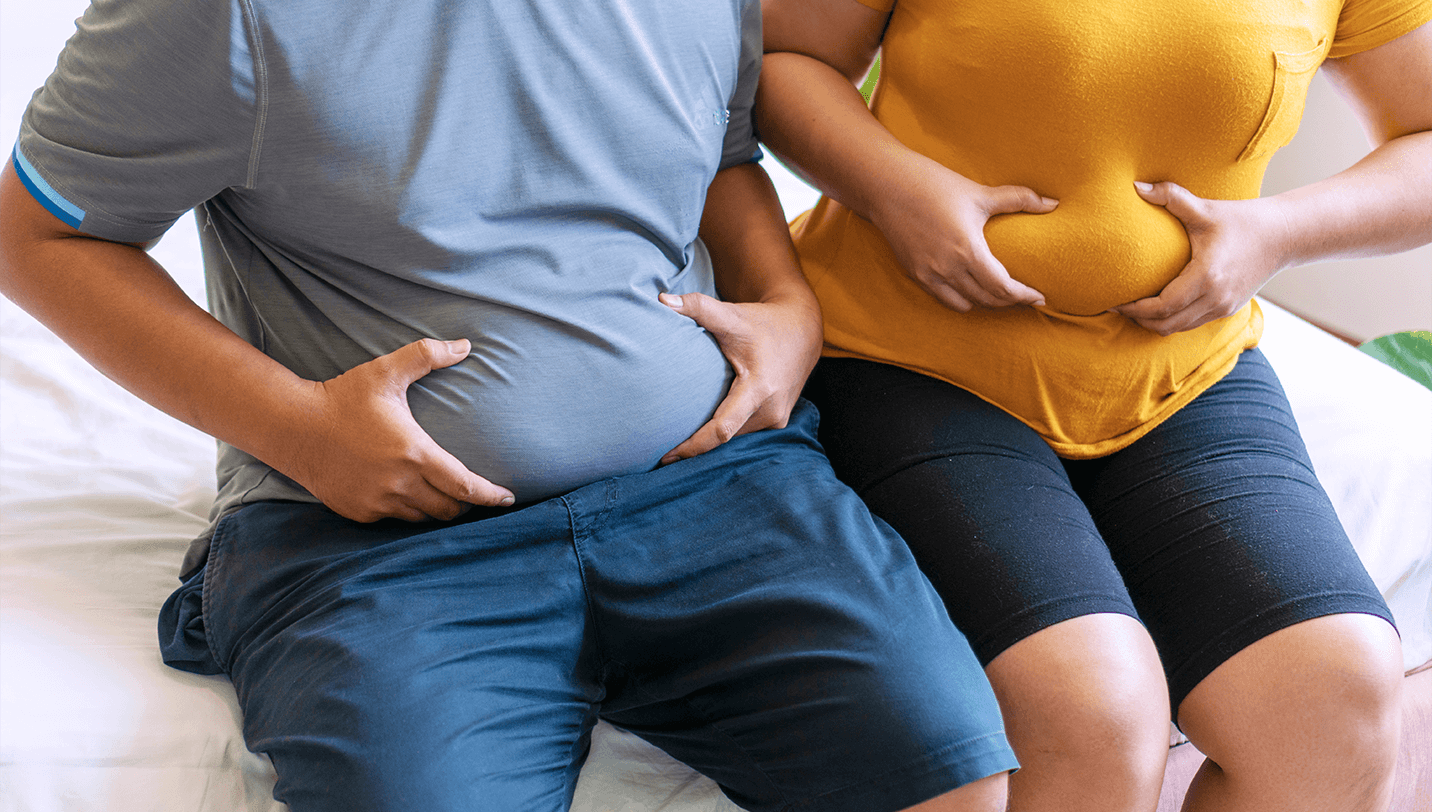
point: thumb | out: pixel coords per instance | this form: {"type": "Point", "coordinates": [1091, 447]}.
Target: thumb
{"type": "Point", "coordinates": [712, 314]}
{"type": "Point", "coordinates": [411, 362]}
{"type": "Point", "coordinates": [1011, 199]}
{"type": "Point", "coordinates": [1180, 202]}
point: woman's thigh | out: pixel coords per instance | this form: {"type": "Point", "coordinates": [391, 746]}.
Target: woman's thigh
{"type": "Point", "coordinates": [1221, 529]}
{"type": "Point", "coordinates": [984, 504]}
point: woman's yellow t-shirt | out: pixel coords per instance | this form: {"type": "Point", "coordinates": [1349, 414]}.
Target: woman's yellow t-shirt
{"type": "Point", "coordinates": [1077, 100]}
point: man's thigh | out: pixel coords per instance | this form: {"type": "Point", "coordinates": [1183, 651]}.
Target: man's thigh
{"type": "Point", "coordinates": [398, 666]}
{"type": "Point", "coordinates": [758, 623]}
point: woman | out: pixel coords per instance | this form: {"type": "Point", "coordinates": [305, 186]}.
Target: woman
{"type": "Point", "coordinates": [1036, 257]}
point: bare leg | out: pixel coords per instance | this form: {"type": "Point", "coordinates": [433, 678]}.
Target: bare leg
{"type": "Point", "coordinates": [985, 795]}
{"type": "Point", "coordinates": [1413, 786]}
{"type": "Point", "coordinates": [1304, 720]}
{"type": "Point", "coordinates": [1086, 709]}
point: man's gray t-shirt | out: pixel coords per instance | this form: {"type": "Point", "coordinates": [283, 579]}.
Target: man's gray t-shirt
{"type": "Point", "coordinates": [526, 175]}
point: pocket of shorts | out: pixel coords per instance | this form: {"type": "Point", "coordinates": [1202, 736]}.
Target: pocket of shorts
{"type": "Point", "coordinates": [218, 549]}
{"type": "Point", "coordinates": [1291, 76]}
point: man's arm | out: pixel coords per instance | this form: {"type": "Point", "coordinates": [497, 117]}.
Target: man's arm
{"type": "Point", "coordinates": [350, 441]}
{"type": "Point", "coordinates": [768, 322]}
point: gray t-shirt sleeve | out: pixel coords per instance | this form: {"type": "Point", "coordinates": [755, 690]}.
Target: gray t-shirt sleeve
{"type": "Point", "coordinates": [740, 145]}
{"type": "Point", "coordinates": [152, 110]}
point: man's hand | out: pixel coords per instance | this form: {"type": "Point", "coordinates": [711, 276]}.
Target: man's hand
{"type": "Point", "coordinates": [365, 457]}
{"type": "Point", "coordinates": [1236, 248]}
{"type": "Point", "coordinates": [772, 346]}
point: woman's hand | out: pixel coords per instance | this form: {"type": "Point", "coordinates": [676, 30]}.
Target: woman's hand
{"type": "Point", "coordinates": [771, 345]}
{"type": "Point", "coordinates": [1237, 246]}
{"type": "Point", "coordinates": [934, 222]}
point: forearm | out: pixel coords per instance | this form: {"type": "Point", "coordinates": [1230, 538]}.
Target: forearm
{"type": "Point", "coordinates": [744, 229]}
{"type": "Point", "coordinates": [1380, 205]}
{"type": "Point", "coordinates": [120, 311]}
{"type": "Point", "coordinates": [815, 119]}
{"type": "Point", "coordinates": [767, 322]}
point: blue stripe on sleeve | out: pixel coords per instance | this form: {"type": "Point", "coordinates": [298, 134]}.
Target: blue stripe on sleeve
{"type": "Point", "coordinates": [68, 212]}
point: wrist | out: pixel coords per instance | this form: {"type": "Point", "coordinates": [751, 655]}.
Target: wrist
{"type": "Point", "coordinates": [1276, 233]}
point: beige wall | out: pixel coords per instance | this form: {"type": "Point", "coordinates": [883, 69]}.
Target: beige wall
{"type": "Point", "coordinates": [1359, 299]}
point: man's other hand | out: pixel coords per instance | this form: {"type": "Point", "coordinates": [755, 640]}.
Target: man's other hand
{"type": "Point", "coordinates": [772, 346]}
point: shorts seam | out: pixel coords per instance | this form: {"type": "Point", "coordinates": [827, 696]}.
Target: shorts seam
{"type": "Point", "coordinates": [579, 536]}
{"type": "Point", "coordinates": [923, 764]}
{"type": "Point", "coordinates": [1265, 623]}
{"type": "Point", "coordinates": [1091, 603]}
{"type": "Point", "coordinates": [217, 547]}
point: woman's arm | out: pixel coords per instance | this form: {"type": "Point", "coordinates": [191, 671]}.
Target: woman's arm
{"type": "Point", "coordinates": [809, 112]}
{"type": "Point", "coordinates": [1380, 205]}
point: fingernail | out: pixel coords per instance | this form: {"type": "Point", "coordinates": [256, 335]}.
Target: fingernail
{"type": "Point", "coordinates": [461, 345]}
{"type": "Point", "coordinates": [1039, 303]}
{"type": "Point", "coordinates": [506, 500]}
{"type": "Point", "coordinates": [1049, 201]}
{"type": "Point", "coordinates": [668, 459]}
{"type": "Point", "coordinates": [670, 299]}
{"type": "Point", "coordinates": [1144, 187]}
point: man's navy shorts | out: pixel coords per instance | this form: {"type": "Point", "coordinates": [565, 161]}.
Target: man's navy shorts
{"type": "Point", "coordinates": [741, 610]}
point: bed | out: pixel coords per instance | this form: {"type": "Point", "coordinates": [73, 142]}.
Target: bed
{"type": "Point", "coordinates": [100, 495]}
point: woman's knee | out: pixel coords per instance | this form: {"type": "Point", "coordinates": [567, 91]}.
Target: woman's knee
{"type": "Point", "coordinates": [1087, 691]}
{"type": "Point", "coordinates": [1320, 700]}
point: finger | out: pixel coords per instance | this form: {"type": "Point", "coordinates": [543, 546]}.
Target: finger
{"type": "Point", "coordinates": [449, 476]}
{"type": "Point", "coordinates": [1188, 319]}
{"type": "Point", "coordinates": [715, 316]}
{"type": "Point", "coordinates": [432, 503]}
{"type": "Point", "coordinates": [1001, 288]}
{"type": "Point", "coordinates": [1167, 316]}
{"type": "Point", "coordinates": [948, 295]}
{"type": "Point", "coordinates": [411, 362]}
{"type": "Point", "coordinates": [1180, 202]}
{"type": "Point", "coordinates": [730, 420]}
{"type": "Point", "coordinates": [1179, 294]}
{"type": "Point", "coordinates": [1011, 199]}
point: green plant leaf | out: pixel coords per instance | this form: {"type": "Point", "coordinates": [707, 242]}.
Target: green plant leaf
{"type": "Point", "coordinates": [1408, 352]}
{"type": "Point", "coordinates": [868, 86]}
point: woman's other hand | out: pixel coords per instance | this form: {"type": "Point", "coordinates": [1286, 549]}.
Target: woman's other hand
{"type": "Point", "coordinates": [1381, 204]}
{"type": "Point", "coordinates": [1237, 246]}
{"type": "Point", "coordinates": [771, 345]}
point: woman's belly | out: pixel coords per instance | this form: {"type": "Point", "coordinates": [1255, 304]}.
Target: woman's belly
{"type": "Point", "coordinates": [1102, 247]}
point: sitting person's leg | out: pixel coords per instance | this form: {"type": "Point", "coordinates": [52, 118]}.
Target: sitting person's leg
{"type": "Point", "coordinates": [990, 514]}
{"type": "Point", "coordinates": [399, 666]}
{"type": "Point", "coordinates": [741, 609]}
{"type": "Point", "coordinates": [1282, 661]}
{"type": "Point", "coordinates": [757, 623]}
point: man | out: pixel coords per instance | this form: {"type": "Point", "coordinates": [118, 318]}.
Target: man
{"type": "Point", "coordinates": [483, 475]}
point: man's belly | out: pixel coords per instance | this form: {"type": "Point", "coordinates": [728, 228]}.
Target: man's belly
{"type": "Point", "coordinates": [557, 411]}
